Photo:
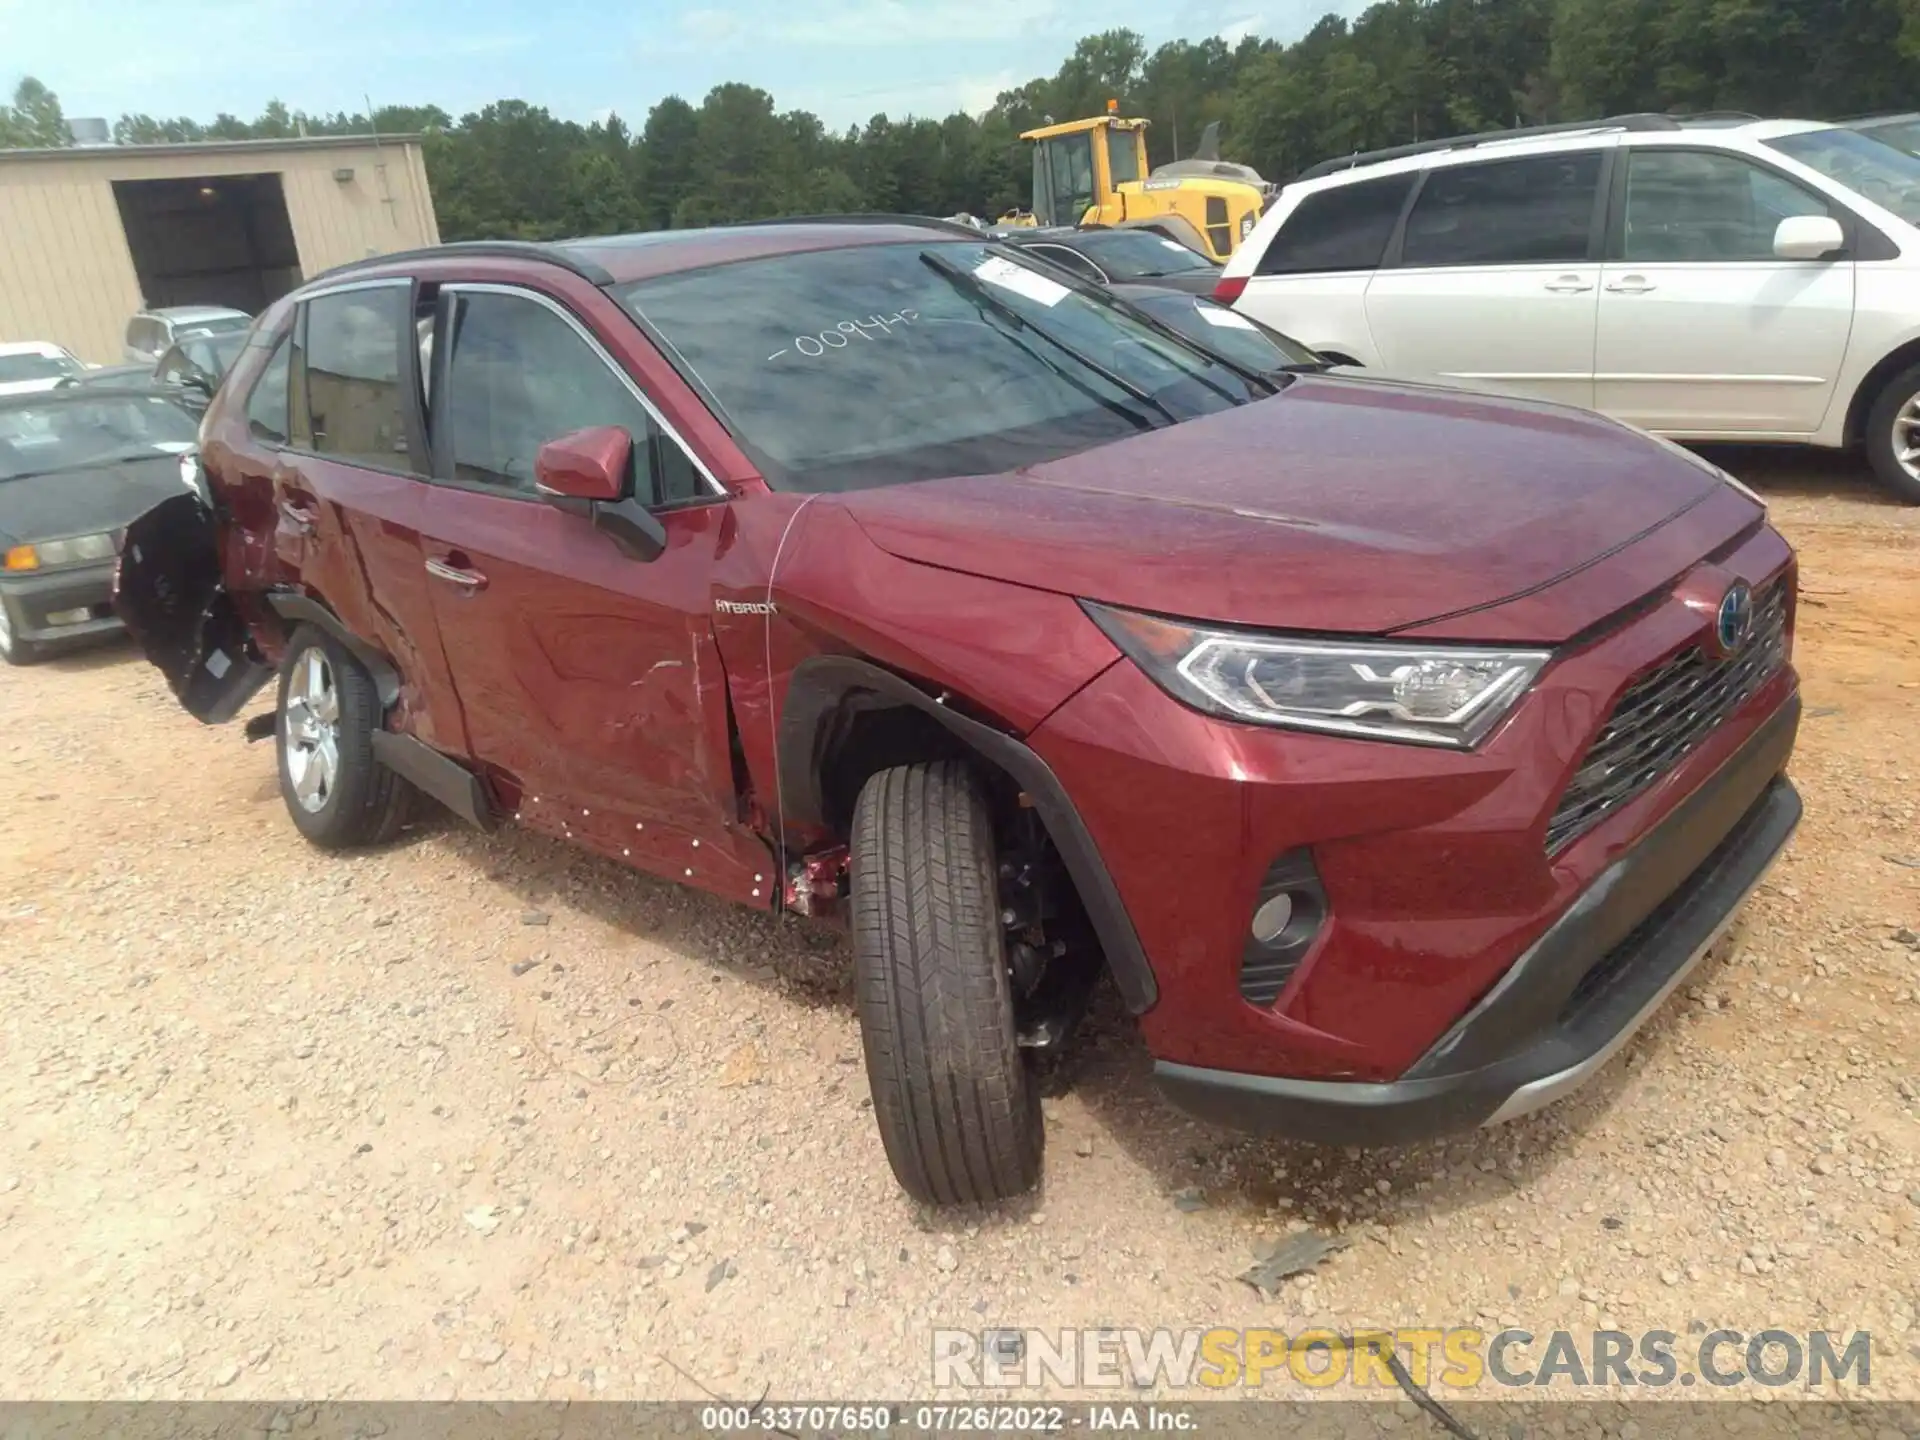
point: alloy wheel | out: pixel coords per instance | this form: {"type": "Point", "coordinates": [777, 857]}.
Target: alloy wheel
{"type": "Point", "coordinates": [6, 632]}
{"type": "Point", "coordinates": [310, 730]}
{"type": "Point", "coordinates": [1906, 436]}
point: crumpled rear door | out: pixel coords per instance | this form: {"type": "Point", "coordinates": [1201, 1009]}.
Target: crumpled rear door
{"type": "Point", "coordinates": [169, 593]}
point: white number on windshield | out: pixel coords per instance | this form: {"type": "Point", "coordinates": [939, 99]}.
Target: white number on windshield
{"type": "Point", "coordinates": [844, 334]}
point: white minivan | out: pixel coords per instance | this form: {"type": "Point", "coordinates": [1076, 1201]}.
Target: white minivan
{"type": "Point", "coordinates": [1712, 279]}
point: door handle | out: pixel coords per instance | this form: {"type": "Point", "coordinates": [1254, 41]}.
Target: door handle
{"type": "Point", "coordinates": [1631, 285]}
{"type": "Point", "coordinates": [454, 575]}
{"type": "Point", "coordinates": [1569, 285]}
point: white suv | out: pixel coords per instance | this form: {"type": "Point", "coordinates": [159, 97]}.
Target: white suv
{"type": "Point", "coordinates": [1711, 279]}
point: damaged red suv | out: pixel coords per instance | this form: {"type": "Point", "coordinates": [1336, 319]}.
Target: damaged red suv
{"type": "Point", "coordinates": [1395, 750]}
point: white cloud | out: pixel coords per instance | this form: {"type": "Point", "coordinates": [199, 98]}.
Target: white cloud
{"type": "Point", "coordinates": [1237, 30]}
{"type": "Point", "coordinates": [979, 92]}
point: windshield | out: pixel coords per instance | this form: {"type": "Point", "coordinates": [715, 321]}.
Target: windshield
{"type": "Point", "coordinates": [1905, 134]}
{"type": "Point", "coordinates": [32, 366]}
{"type": "Point", "coordinates": [1137, 255]}
{"type": "Point", "coordinates": [213, 325]}
{"type": "Point", "coordinates": [68, 433]}
{"type": "Point", "coordinates": [1227, 332]}
{"type": "Point", "coordinates": [876, 364]}
{"type": "Point", "coordinates": [1884, 174]}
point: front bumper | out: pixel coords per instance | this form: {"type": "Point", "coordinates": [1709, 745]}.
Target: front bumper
{"type": "Point", "coordinates": [1574, 998]}
{"type": "Point", "coordinates": [31, 597]}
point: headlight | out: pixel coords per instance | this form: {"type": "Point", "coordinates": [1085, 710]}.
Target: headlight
{"type": "Point", "coordinates": [75, 550]}
{"type": "Point", "coordinates": [1421, 694]}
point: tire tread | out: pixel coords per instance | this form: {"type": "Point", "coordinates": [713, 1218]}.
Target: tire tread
{"type": "Point", "coordinates": [957, 1107]}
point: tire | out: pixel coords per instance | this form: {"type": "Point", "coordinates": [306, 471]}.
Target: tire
{"type": "Point", "coordinates": [352, 799]}
{"type": "Point", "coordinates": [1893, 428]}
{"type": "Point", "coordinates": [13, 649]}
{"type": "Point", "coordinates": [958, 1109]}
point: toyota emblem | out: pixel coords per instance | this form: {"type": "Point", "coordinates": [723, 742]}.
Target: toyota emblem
{"type": "Point", "coordinates": [1734, 623]}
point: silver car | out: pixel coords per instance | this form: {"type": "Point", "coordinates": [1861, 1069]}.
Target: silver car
{"type": "Point", "coordinates": [151, 333]}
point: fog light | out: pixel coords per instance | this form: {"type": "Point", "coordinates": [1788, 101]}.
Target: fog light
{"type": "Point", "coordinates": [1287, 915]}
{"type": "Point", "coordinates": [69, 617]}
{"type": "Point", "coordinates": [1270, 920]}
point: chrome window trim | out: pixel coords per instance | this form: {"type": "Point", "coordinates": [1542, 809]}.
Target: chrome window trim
{"type": "Point", "coordinates": [490, 287]}
{"type": "Point", "coordinates": [385, 282]}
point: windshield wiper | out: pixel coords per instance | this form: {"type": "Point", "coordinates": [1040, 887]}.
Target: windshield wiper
{"type": "Point", "coordinates": [977, 290]}
{"type": "Point", "coordinates": [1247, 376]}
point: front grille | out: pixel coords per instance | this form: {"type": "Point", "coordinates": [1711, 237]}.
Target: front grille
{"type": "Point", "coordinates": [1663, 715]}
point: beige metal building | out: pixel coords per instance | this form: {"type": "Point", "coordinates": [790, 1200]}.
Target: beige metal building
{"type": "Point", "coordinates": [92, 234]}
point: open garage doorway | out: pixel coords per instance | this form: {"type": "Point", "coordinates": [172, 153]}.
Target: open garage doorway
{"type": "Point", "coordinates": [211, 240]}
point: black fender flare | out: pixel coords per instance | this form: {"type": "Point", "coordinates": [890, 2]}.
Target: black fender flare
{"type": "Point", "coordinates": [822, 685]}
{"type": "Point", "coordinates": [300, 609]}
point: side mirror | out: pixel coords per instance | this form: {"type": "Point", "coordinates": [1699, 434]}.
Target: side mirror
{"type": "Point", "coordinates": [591, 464]}
{"type": "Point", "coordinates": [1808, 237]}
{"type": "Point", "coordinates": [591, 471]}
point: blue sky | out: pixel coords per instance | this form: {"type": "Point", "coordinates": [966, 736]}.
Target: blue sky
{"type": "Point", "coordinates": [842, 59]}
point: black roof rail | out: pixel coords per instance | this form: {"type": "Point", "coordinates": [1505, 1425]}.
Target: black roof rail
{"type": "Point", "coordinates": [1697, 117]}
{"type": "Point", "coordinates": [875, 217]}
{"type": "Point", "coordinates": [1646, 121]}
{"type": "Point", "coordinates": [551, 254]}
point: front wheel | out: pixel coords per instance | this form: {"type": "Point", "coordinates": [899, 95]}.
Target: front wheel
{"type": "Point", "coordinates": [338, 794]}
{"type": "Point", "coordinates": [958, 1109]}
{"type": "Point", "coordinates": [13, 649]}
{"type": "Point", "coordinates": [1893, 436]}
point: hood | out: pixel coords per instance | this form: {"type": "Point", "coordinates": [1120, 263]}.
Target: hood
{"type": "Point", "coordinates": [85, 502]}
{"type": "Point", "coordinates": [1339, 505]}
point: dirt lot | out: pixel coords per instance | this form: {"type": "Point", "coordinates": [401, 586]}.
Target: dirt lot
{"type": "Point", "coordinates": [485, 1117]}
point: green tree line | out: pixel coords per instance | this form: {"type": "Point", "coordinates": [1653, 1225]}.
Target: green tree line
{"type": "Point", "coordinates": [1404, 70]}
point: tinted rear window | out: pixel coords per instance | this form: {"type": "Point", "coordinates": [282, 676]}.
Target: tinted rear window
{"type": "Point", "coordinates": [1345, 228]}
{"type": "Point", "coordinates": [842, 369]}
{"type": "Point", "coordinates": [1507, 212]}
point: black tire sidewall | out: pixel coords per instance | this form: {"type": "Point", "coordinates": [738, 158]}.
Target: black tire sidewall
{"type": "Point", "coordinates": [1881, 450]}
{"type": "Point", "coordinates": [19, 652]}
{"type": "Point", "coordinates": [943, 1044]}
{"type": "Point", "coordinates": [344, 819]}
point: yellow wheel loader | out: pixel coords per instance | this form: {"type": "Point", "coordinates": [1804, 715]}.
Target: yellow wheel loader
{"type": "Point", "coordinates": [1094, 172]}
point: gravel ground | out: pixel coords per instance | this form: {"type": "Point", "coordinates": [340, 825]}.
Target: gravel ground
{"type": "Point", "coordinates": [482, 1116]}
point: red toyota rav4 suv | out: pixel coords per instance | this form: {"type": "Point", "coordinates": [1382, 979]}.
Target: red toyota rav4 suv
{"type": "Point", "coordinates": [1395, 750]}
